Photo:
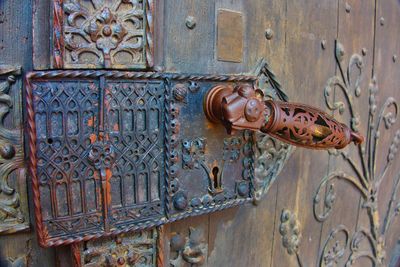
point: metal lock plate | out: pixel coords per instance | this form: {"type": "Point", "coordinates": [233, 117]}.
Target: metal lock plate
{"type": "Point", "coordinates": [112, 152]}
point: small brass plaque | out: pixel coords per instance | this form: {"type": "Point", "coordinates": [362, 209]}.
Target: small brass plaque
{"type": "Point", "coordinates": [229, 36]}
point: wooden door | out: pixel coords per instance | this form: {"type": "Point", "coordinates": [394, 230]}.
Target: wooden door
{"type": "Point", "coordinates": [314, 208]}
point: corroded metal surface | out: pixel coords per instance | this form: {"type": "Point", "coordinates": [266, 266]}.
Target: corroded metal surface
{"type": "Point", "coordinates": [112, 152]}
{"type": "Point", "coordinates": [13, 196]}
{"type": "Point", "coordinates": [241, 108]}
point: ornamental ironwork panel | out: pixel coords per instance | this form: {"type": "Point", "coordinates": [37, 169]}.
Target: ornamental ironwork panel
{"type": "Point", "coordinates": [96, 149]}
{"type": "Point", "coordinates": [113, 152]}
{"type": "Point", "coordinates": [102, 34]}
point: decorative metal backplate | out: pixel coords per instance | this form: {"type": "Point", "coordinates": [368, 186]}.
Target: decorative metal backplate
{"type": "Point", "coordinates": [112, 152]}
{"type": "Point", "coordinates": [103, 34]}
{"type": "Point", "coordinates": [13, 196]}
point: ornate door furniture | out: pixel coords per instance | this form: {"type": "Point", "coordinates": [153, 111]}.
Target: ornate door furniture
{"type": "Point", "coordinates": [133, 133]}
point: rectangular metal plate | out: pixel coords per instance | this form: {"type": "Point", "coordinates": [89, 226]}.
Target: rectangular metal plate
{"type": "Point", "coordinates": [229, 35]}
{"type": "Point", "coordinates": [112, 152]}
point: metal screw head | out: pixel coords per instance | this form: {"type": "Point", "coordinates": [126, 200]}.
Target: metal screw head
{"type": "Point", "coordinates": [190, 22]}
{"type": "Point", "coordinates": [382, 21]}
{"type": "Point", "coordinates": [364, 51]}
{"type": "Point", "coordinates": [394, 58]}
{"type": "Point", "coordinates": [323, 44]}
{"type": "Point", "coordinates": [269, 33]}
{"type": "Point", "coordinates": [348, 7]}
{"type": "Point", "coordinates": [180, 201]}
{"type": "Point", "coordinates": [7, 151]}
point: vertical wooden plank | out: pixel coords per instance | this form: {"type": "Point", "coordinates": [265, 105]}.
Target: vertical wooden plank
{"type": "Point", "coordinates": [387, 72]}
{"type": "Point", "coordinates": [355, 36]}
{"type": "Point", "coordinates": [310, 34]}
{"type": "Point", "coordinates": [189, 50]}
{"type": "Point", "coordinates": [16, 49]}
{"type": "Point", "coordinates": [243, 236]}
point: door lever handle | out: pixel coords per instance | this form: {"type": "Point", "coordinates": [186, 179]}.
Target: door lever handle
{"type": "Point", "coordinates": [242, 107]}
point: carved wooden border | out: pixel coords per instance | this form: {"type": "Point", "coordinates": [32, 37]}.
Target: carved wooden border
{"type": "Point", "coordinates": [14, 216]}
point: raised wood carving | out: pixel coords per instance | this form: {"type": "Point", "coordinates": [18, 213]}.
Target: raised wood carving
{"type": "Point", "coordinates": [135, 249]}
{"type": "Point", "coordinates": [13, 200]}
{"type": "Point", "coordinates": [102, 34]}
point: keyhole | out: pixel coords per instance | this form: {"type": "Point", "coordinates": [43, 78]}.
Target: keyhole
{"type": "Point", "coordinates": [215, 171]}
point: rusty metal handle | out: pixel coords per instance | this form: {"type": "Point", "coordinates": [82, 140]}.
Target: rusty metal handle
{"type": "Point", "coordinates": [298, 124]}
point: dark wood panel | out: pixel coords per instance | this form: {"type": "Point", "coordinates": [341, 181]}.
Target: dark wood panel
{"type": "Point", "coordinates": [354, 42]}
{"type": "Point", "coordinates": [310, 34]}
{"type": "Point", "coordinates": [249, 230]}
{"type": "Point", "coordinates": [387, 72]}
{"type": "Point", "coordinates": [16, 49]}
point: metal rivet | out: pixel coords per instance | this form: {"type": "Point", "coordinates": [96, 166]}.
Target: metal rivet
{"type": "Point", "coordinates": [348, 8]}
{"type": "Point", "coordinates": [190, 22]}
{"type": "Point", "coordinates": [394, 58]}
{"type": "Point", "coordinates": [364, 51]}
{"type": "Point", "coordinates": [382, 21]}
{"type": "Point", "coordinates": [269, 33]}
{"type": "Point", "coordinates": [323, 44]}
{"type": "Point", "coordinates": [7, 151]}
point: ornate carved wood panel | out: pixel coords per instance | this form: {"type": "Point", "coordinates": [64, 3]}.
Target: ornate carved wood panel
{"type": "Point", "coordinates": [13, 196]}
{"type": "Point", "coordinates": [102, 34]}
{"type": "Point", "coordinates": [135, 249]}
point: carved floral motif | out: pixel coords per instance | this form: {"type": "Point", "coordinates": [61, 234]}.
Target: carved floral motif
{"type": "Point", "coordinates": [135, 250]}
{"type": "Point", "coordinates": [100, 33]}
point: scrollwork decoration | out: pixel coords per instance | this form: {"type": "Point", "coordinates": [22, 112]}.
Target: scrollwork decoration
{"type": "Point", "coordinates": [93, 34]}
{"type": "Point", "coordinates": [13, 206]}
{"type": "Point", "coordinates": [270, 154]}
{"type": "Point", "coordinates": [344, 247]}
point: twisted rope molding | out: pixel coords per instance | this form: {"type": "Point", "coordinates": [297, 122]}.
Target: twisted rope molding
{"type": "Point", "coordinates": [138, 75]}
{"type": "Point", "coordinates": [32, 164]}
{"type": "Point", "coordinates": [58, 49]}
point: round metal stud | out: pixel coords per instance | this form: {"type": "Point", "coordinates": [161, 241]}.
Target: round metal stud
{"type": "Point", "coordinates": [180, 201]}
{"type": "Point", "coordinates": [323, 44]}
{"type": "Point", "coordinates": [364, 51]}
{"type": "Point", "coordinates": [243, 189]}
{"type": "Point", "coordinates": [269, 33]}
{"type": "Point", "coordinates": [348, 7]}
{"type": "Point", "coordinates": [190, 22]}
{"type": "Point", "coordinates": [180, 92]}
{"type": "Point", "coordinates": [7, 151]}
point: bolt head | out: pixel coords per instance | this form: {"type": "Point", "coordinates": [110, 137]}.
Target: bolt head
{"type": "Point", "coordinates": [190, 22]}
{"type": "Point", "coordinates": [7, 151]}
{"type": "Point", "coordinates": [269, 33]}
